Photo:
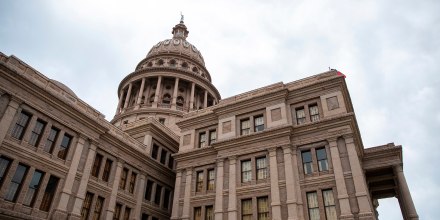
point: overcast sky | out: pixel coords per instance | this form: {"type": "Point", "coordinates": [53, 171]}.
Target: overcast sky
{"type": "Point", "coordinates": [389, 50]}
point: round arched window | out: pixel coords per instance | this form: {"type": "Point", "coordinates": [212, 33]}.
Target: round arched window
{"type": "Point", "coordinates": [173, 63]}
{"type": "Point", "coordinates": [185, 65]}
{"type": "Point", "coordinates": [180, 101]}
{"type": "Point", "coordinates": [150, 64]}
{"type": "Point", "coordinates": [160, 62]}
{"type": "Point", "coordinates": [194, 69]}
{"type": "Point", "coordinates": [166, 99]}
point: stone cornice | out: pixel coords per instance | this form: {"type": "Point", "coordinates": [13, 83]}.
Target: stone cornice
{"type": "Point", "coordinates": [147, 110]}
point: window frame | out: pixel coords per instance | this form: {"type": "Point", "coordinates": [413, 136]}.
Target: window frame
{"type": "Point", "coordinates": [306, 106]}
{"type": "Point", "coordinates": [21, 125]}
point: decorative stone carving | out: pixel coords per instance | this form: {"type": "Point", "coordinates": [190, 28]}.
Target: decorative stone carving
{"type": "Point", "coordinates": [332, 103]}
{"type": "Point", "coordinates": [226, 127]}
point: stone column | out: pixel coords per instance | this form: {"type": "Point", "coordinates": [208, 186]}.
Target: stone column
{"type": "Point", "coordinates": [219, 190]}
{"type": "Point", "coordinates": [114, 194]}
{"type": "Point", "coordinates": [274, 187]}
{"type": "Point", "coordinates": [175, 211]}
{"type": "Point", "coordinates": [297, 187]}
{"type": "Point", "coordinates": [137, 212]}
{"type": "Point", "coordinates": [66, 191]}
{"type": "Point", "coordinates": [118, 109]}
{"type": "Point", "coordinates": [176, 87]}
{"type": "Point", "coordinates": [8, 116]}
{"type": "Point", "coordinates": [127, 97]}
{"type": "Point", "coordinates": [232, 204]}
{"type": "Point", "coordinates": [340, 181]}
{"type": "Point", "coordinates": [156, 94]}
{"type": "Point", "coordinates": [186, 198]}
{"type": "Point", "coordinates": [292, 209]}
{"type": "Point", "coordinates": [365, 206]}
{"type": "Point", "coordinates": [205, 99]}
{"type": "Point", "coordinates": [141, 92]}
{"type": "Point", "coordinates": [405, 196]}
{"type": "Point", "coordinates": [82, 189]}
{"type": "Point", "coordinates": [191, 98]}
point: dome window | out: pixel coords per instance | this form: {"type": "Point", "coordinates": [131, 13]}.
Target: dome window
{"type": "Point", "coordinates": [160, 62]}
{"type": "Point", "coordinates": [194, 69]}
{"type": "Point", "coordinates": [203, 75]}
{"type": "Point", "coordinates": [167, 87]}
{"type": "Point", "coordinates": [166, 99]}
{"type": "Point", "coordinates": [173, 63]}
{"type": "Point", "coordinates": [150, 64]}
{"type": "Point", "coordinates": [185, 65]}
{"type": "Point", "coordinates": [181, 89]}
{"type": "Point", "coordinates": [180, 101]}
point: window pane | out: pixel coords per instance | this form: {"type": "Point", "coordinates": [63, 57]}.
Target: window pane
{"type": "Point", "coordinates": [158, 194]}
{"type": "Point", "coordinates": [246, 209]}
{"type": "Point", "coordinates": [86, 206]}
{"type": "Point", "coordinates": [107, 169]}
{"type": "Point", "coordinates": [199, 181]}
{"type": "Point", "coordinates": [36, 132]}
{"type": "Point", "coordinates": [300, 116]}
{"type": "Point", "coordinates": [261, 168]}
{"type": "Point", "coordinates": [322, 159]}
{"type": "Point", "coordinates": [96, 165]}
{"type": "Point", "coordinates": [202, 139]}
{"type": "Point", "coordinates": [212, 137]}
{"type": "Point", "coordinates": [148, 190]}
{"type": "Point", "coordinates": [211, 180]}
{"type": "Point", "coordinates": [329, 204]}
{"type": "Point", "coordinates": [259, 123]}
{"type": "Point", "coordinates": [312, 203]}
{"type": "Point", "coordinates": [155, 151]}
{"type": "Point", "coordinates": [163, 156]}
{"type": "Point", "coordinates": [314, 113]}
{"type": "Point", "coordinates": [306, 156]}
{"type": "Point", "coordinates": [98, 208]}
{"type": "Point", "coordinates": [34, 185]}
{"type": "Point", "coordinates": [166, 198]}
{"type": "Point", "coordinates": [4, 166]}
{"type": "Point", "coordinates": [20, 125]}
{"type": "Point", "coordinates": [117, 213]}
{"type": "Point", "coordinates": [51, 187]}
{"type": "Point", "coordinates": [197, 213]}
{"type": "Point", "coordinates": [48, 147]}
{"type": "Point", "coordinates": [123, 180]}
{"type": "Point", "coordinates": [263, 208]}
{"type": "Point", "coordinates": [132, 182]}
{"type": "Point", "coordinates": [64, 147]}
{"type": "Point", "coordinates": [246, 171]}
{"type": "Point", "coordinates": [16, 182]}
{"type": "Point", "coordinates": [209, 213]}
{"type": "Point", "coordinates": [245, 126]}
{"type": "Point", "coordinates": [321, 154]}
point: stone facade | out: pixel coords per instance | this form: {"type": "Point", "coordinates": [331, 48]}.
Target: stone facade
{"type": "Point", "coordinates": [176, 150]}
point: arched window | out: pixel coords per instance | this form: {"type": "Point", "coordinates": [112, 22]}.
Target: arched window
{"type": "Point", "coordinates": [194, 69]}
{"type": "Point", "coordinates": [160, 62]}
{"type": "Point", "coordinates": [173, 63]}
{"type": "Point", "coordinates": [151, 98]}
{"type": "Point", "coordinates": [150, 64]}
{"type": "Point", "coordinates": [166, 99]}
{"type": "Point", "coordinates": [185, 65]}
{"type": "Point", "coordinates": [180, 101]}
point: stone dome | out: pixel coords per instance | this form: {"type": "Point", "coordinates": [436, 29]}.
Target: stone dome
{"type": "Point", "coordinates": [177, 45]}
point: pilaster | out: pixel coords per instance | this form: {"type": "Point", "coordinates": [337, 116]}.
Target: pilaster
{"type": "Point", "coordinates": [292, 209]}
{"type": "Point", "coordinates": [232, 202]}
{"type": "Point", "coordinates": [186, 199]}
{"type": "Point", "coordinates": [114, 193]}
{"type": "Point", "coordinates": [219, 190]}
{"type": "Point", "coordinates": [8, 116]}
{"type": "Point", "coordinates": [175, 210]}
{"type": "Point", "coordinates": [274, 187]}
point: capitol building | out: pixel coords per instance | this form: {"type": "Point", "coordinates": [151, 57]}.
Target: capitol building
{"type": "Point", "coordinates": [175, 149]}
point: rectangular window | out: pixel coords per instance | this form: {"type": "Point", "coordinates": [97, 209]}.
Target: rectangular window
{"type": "Point", "coordinates": [199, 181]}
{"type": "Point", "coordinates": [258, 123]}
{"type": "Point", "coordinates": [117, 213]}
{"type": "Point", "coordinates": [155, 151]}
{"type": "Point", "coordinates": [64, 146]}
{"type": "Point", "coordinates": [300, 116]}
{"type": "Point", "coordinates": [321, 155]}
{"type": "Point", "coordinates": [132, 182]}
{"type": "Point", "coordinates": [246, 209]}
{"type": "Point", "coordinates": [209, 212]}
{"type": "Point", "coordinates": [50, 142]}
{"type": "Point", "coordinates": [263, 208]}
{"type": "Point", "coordinates": [211, 180]}
{"type": "Point", "coordinates": [307, 162]}
{"type": "Point", "coordinates": [197, 213]}
{"type": "Point", "coordinates": [166, 198]}
{"type": "Point", "coordinates": [123, 181]}
{"type": "Point", "coordinates": [20, 125]}
{"type": "Point", "coordinates": [16, 182]}
{"type": "Point", "coordinates": [98, 208]}
{"type": "Point", "coordinates": [246, 171]}
{"type": "Point", "coordinates": [163, 156]}
{"type": "Point", "coordinates": [32, 191]}
{"type": "Point", "coordinates": [127, 213]}
{"type": "Point", "coordinates": [245, 126]}
{"type": "Point", "coordinates": [148, 190]}
{"type": "Point", "coordinates": [36, 132]}
{"type": "Point", "coordinates": [158, 194]}
{"type": "Point", "coordinates": [329, 205]}
{"type": "Point", "coordinates": [96, 165]}
{"type": "Point", "coordinates": [171, 162]}
{"type": "Point", "coordinates": [261, 168]}
{"type": "Point", "coordinates": [107, 169]}
{"type": "Point", "coordinates": [212, 137]}
{"type": "Point", "coordinates": [86, 206]}
{"type": "Point", "coordinates": [314, 113]}
{"type": "Point", "coordinates": [312, 204]}
{"type": "Point", "coordinates": [49, 193]}
{"type": "Point", "coordinates": [202, 139]}
{"type": "Point", "coordinates": [4, 168]}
